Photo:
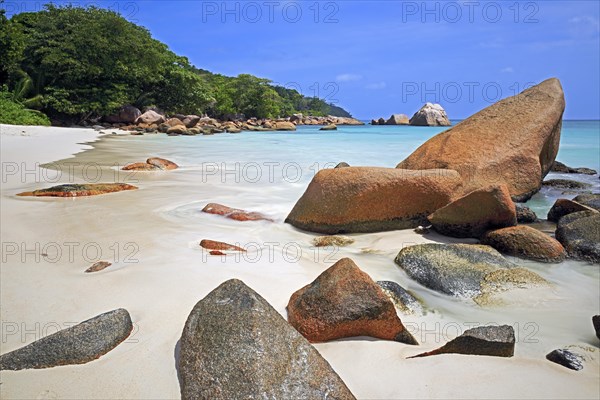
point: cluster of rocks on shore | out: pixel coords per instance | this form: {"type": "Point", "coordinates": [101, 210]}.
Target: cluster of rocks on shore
{"type": "Point", "coordinates": [428, 115]}
{"type": "Point", "coordinates": [467, 182]}
{"type": "Point", "coordinates": [131, 119]}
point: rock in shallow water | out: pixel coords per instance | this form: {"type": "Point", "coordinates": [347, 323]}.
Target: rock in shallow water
{"type": "Point", "coordinates": [562, 207]}
{"type": "Point", "coordinates": [335, 240]}
{"type": "Point", "coordinates": [402, 298]}
{"type": "Point", "coordinates": [430, 115]}
{"type": "Point", "coordinates": [512, 142]}
{"type": "Point", "coordinates": [525, 214]}
{"type": "Point", "coordinates": [371, 199]}
{"type": "Point", "coordinates": [566, 184]}
{"type": "Point", "coordinates": [233, 213]}
{"type": "Point", "coordinates": [579, 233]}
{"type": "Point", "coordinates": [475, 213]}
{"type": "Point", "coordinates": [525, 242]}
{"type": "Point", "coordinates": [463, 270]}
{"type": "Point", "coordinates": [236, 346]}
{"type": "Point", "coordinates": [78, 190]}
{"type": "Point", "coordinates": [215, 245]}
{"type": "Point", "coordinates": [79, 344]}
{"type": "Point", "coordinates": [345, 302]}
{"type": "Point", "coordinates": [566, 358]}
{"type": "Point", "coordinates": [498, 341]}
{"type": "Point", "coordinates": [596, 323]}
{"type": "Point", "coordinates": [98, 266]}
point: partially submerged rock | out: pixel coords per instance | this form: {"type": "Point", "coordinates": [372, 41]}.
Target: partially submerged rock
{"type": "Point", "coordinates": [514, 142]}
{"type": "Point", "coordinates": [78, 190]}
{"type": "Point", "coordinates": [562, 168]}
{"type": "Point", "coordinates": [596, 323]}
{"type": "Point", "coordinates": [525, 242]}
{"type": "Point", "coordinates": [477, 212]}
{"type": "Point", "coordinates": [370, 199]}
{"type": "Point", "coordinates": [579, 233]}
{"type": "Point", "coordinates": [98, 266]}
{"type": "Point", "coordinates": [78, 344]}
{"type": "Point", "coordinates": [151, 164]}
{"type": "Point", "coordinates": [564, 207]}
{"type": "Point", "coordinates": [398, 119]}
{"type": "Point", "coordinates": [285, 126]}
{"type": "Point", "coordinates": [216, 245]}
{"type": "Point", "coordinates": [566, 358]}
{"type": "Point", "coordinates": [236, 346]}
{"type": "Point", "coordinates": [234, 213]}
{"type": "Point", "coordinates": [464, 270]}
{"type": "Point", "coordinates": [335, 240]}
{"type": "Point", "coordinates": [404, 300]}
{"type": "Point", "coordinates": [430, 115]}
{"type": "Point", "coordinates": [566, 184]}
{"type": "Point", "coordinates": [525, 214]}
{"type": "Point", "coordinates": [590, 200]}
{"type": "Point", "coordinates": [497, 341]}
{"type": "Point", "coordinates": [330, 127]}
{"type": "Point", "coordinates": [345, 302]}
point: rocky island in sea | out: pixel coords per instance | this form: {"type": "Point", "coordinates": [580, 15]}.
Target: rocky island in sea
{"type": "Point", "coordinates": [170, 232]}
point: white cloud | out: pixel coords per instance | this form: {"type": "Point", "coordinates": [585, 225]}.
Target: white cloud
{"type": "Point", "coordinates": [376, 86]}
{"type": "Point", "coordinates": [507, 70]}
{"type": "Point", "coordinates": [348, 77]}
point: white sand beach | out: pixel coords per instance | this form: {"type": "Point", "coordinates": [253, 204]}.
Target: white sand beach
{"type": "Point", "coordinates": [159, 273]}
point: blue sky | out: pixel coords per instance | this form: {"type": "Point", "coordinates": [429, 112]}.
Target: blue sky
{"type": "Point", "coordinates": [375, 58]}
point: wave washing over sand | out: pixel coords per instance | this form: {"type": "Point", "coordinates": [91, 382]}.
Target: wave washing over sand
{"type": "Point", "coordinates": [159, 272]}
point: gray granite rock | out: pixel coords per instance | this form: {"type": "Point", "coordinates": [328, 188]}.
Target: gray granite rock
{"type": "Point", "coordinates": [566, 358]}
{"type": "Point", "coordinates": [79, 344]}
{"type": "Point", "coordinates": [404, 300]}
{"type": "Point", "coordinates": [579, 233]}
{"type": "Point", "coordinates": [236, 346]}
{"type": "Point", "coordinates": [498, 341]}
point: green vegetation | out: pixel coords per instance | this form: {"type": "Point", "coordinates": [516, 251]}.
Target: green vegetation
{"type": "Point", "coordinates": [16, 113]}
{"type": "Point", "coordinates": [76, 63]}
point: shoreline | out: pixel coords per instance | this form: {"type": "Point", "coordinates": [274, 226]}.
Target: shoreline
{"type": "Point", "coordinates": [171, 276]}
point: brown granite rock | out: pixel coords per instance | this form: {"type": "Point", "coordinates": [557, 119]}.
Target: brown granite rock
{"type": "Point", "coordinates": [98, 266]}
{"type": "Point", "coordinates": [477, 212]}
{"type": "Point", "coordinates": [78, 190]}
{"type": "Point", "coordinates": [285, 126]}
{"type": "Point", "coordinates": [140, 166]}
{"type": "Point", "coordinates": [345, 302]}
{"type": "Point", "coordinates": [525, 242]}
{"type": "Point", "coordinates": [514, 142]}
{"type": "Point", "coordinates": [370, 199]}
{"type": "Point", "coordinates": [161, 163]}
{"type": "Point", "coordinates": [234, 213]}
{"type": "Point", "coordinates": [215, 245]}
{"type": "Point", "coordinates": [564, 207]}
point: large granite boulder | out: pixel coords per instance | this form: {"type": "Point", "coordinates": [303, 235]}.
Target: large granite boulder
{"type": "Point", "coordinates": [398, 119]}
{"type": "Point", "coordinates": [579, 233]}
{"type": "Point", "coordinates": [78, 344]}
{"type": "Point", "coordinates": [430, 115]}
{"type": "Point", "coordinates": [236, 346]}
{"type": "Point", "coordinates": [126, 115]}
{"type": "Point", "coordinates": [150, 117]}
{"type": "Point", "coordinates": [477, 212]}
{"type": "Point", "coordinates": [562, 207]}
{"type": "Point", "coordinates": [514, 142]}
{"type": "Point", "coordinates": [365, 199]}
{"type": "Point", "coordinates": [590, 200]}
{"type": "Point", "coordinates": [463, 270]}
{"type": "Point", "coordinates": [344, 302]}
{"type": "Point", "coordinates": [79, 190]}
{"type": "Point", "coordinates": [525, 242]}
{"type": "Point", "coordinates": [497, 341]}
{"type": "Point", "coordinates": [285, 126]}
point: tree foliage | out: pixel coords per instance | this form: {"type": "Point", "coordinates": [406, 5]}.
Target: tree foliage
{"type": "Point", "coordinates": [88, 62]}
